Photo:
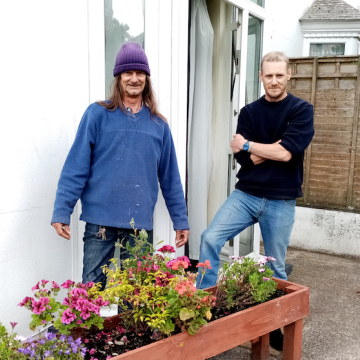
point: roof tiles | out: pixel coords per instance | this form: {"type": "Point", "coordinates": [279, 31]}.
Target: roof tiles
{"type": "Point", "coordinates": [331, 10]}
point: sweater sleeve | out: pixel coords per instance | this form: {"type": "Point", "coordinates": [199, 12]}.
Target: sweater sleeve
{"type": "Point", "coordinates": [75, 172]}
{"type": "Point", "coordinates": [300, 130]}
{"type": "Point", "coordinates": [243, 128]}
{"type": "Point", "coordinates": [170, 183]}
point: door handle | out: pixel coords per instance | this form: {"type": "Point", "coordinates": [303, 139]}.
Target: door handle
{"type": "Point", "coordinates": [233, 162]}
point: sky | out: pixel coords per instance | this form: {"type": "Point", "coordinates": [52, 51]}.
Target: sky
{"type": "Point", "coordinates": [354, 3]}
{"type": "Point", "coordinates": [130, 12]}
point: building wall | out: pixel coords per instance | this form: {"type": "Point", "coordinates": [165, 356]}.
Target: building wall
{"type": "Point", "coordinates": [44, 91]}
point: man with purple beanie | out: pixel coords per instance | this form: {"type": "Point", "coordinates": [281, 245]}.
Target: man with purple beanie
{"type": "Point", "coordinates": [123, 149]}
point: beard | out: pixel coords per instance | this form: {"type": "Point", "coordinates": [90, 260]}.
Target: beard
{"type": "Point", "coordinates": [275, 95]}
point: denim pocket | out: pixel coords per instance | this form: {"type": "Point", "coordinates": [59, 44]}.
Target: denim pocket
{"type": "Point", "coordinates": [290, 202]}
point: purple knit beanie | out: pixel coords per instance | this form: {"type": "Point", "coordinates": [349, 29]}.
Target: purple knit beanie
{"type": "Point", "coordinates": [131, 56]}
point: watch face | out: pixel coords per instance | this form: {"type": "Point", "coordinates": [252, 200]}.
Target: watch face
{"type": "Point", "coordinates": [246, 146]}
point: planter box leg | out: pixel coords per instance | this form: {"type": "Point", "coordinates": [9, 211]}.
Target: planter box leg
{"type": "Point", "coordinates": [260, 349]}
{"type": "Point", "coordinates": [293, 340]}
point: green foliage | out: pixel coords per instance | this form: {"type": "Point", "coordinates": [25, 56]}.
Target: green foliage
{"type": "Point", "coordinates": [9, 345]}
{"type": "Point", "coordinates": [244, 282]}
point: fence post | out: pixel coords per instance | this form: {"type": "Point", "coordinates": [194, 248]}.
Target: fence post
{"type": "Point", "coordinates": [308, 150]}
{"type": "Point", "coordinates": [354, 140]}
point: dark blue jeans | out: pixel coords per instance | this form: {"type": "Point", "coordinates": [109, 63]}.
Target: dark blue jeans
{"type": "Point", "coordinates": [99, 248]}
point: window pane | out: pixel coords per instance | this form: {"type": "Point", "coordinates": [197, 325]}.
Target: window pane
{"type": "Point", "coordinates": [327, 49]}
{"type": "Point", "coordinates": [259, 2]}
{"type": "Point", "coordinates": [252, 92]}
{"type": "Point", "coordinates": [124, 22]}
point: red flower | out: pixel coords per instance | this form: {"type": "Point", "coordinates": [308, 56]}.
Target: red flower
{"type": "Point", "coordinates": [167, 249]}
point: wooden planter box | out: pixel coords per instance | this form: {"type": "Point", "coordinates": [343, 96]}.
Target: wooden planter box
{"type": "Point", "coordinates": [253, 324]}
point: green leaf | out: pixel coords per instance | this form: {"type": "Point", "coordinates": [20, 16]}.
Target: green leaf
{"type": "Point", "coordinates": [186, 314]}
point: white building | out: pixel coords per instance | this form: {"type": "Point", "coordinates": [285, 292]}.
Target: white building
{"type": "Point", "coordinates": [57, 56]}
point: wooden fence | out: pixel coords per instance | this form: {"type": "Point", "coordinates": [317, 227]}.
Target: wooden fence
{"type": "Point", "coordinates": [332, 161]}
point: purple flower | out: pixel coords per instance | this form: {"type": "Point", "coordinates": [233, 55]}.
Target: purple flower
{"type": "Point", "coordinates": [47, 353]}
{"type": "Point", "coordinates": [261, 270]}
{"type": "Point", "coordinates": [70, 339]}
{"type": "Point", "coordinates": [270, 258]}
{"type": "Point", "coordinates": [60, 351]}
{"type": "Point", "coordinates": [32, 353]}
{"type": "Point", "coordinates": [67, 352]}
{"type": "Point", "coordinates": [42, 341]}
{"type": "Point", "coordinates": [62, 337]}
{"type": "Point", "coordinates": [266, 278]}
{"type": "Point", "coordinates": [50, 336]}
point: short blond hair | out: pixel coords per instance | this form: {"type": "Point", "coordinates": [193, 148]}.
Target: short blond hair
{"type": "Point", "coordinates": [275, 56]}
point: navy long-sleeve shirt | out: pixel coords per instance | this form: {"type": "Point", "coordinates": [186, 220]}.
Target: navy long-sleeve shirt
{"type": "Point", "coordinates": [290, 120]}
{"type": "Point", "coordinates": [114, 167]}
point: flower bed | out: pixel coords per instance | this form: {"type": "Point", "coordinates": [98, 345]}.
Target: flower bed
{"type": "Point", "coordinates": [159, 300]}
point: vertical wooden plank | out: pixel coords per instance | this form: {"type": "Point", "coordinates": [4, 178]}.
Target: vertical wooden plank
{"type": "Point", "coordinates": [260, 349]}
{"type": "Point", "coordinates": [308, 150]}
{"type": "Point", "coordinates": [354, 139]}
{"type": "Point", "coordinates": [293, 340]}
{"type": "Point", "coordinates": [337, 71]}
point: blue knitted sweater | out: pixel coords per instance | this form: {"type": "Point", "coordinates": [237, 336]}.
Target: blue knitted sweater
{"type": "Point", "coordinates": [114, 167]}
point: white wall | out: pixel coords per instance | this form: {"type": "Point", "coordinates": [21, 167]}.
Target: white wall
{"type": "Point", "coordinates": [284, 32]}
{"type": "Point", "coordinates": [335, 232]}
{"type": "Point", "coordinates": [44, 91]}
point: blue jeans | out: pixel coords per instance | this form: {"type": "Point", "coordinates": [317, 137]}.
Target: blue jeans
{"type": "Point", "coordinates": [241, 210]}
{"type": "Point", "coordinates": [99, 248]}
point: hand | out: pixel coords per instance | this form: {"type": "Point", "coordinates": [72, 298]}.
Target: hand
{"type": "Point", "coordinates": [181, 238]}
{"type": "Point", "coordinates": [237, 143]}
{"type": "Point", "coordinates": [62, 230]}
{"type": "Point", "coordinates": [257, 159]}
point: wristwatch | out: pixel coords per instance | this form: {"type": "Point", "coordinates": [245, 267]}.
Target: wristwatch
{"type": "Point", "coordinates": [246, 146]}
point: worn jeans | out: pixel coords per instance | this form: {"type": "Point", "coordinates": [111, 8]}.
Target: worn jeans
{"type": "Point", "coordinates": [99, 249]}
{"type": "Point", "coordinates": [241, 210]}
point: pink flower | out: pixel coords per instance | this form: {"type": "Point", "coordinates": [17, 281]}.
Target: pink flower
{"type": "Point", "coordinates": [81, 304]}
{"type": "Point", "coordinates": [43, 322]}
{"type": "Point", "coordinates": [85, 313]}
{"type": "Point", "coordinates": [25, 301]}
{"type": "Point", "coordinates": [79, 322]}
{"type": "Point", "coordinates": [167, 249]}
{"type": "Point", "coordinates": [67, 316]}
{"type": "Point", "coordinates": [44, 282]}
{"type": "Point", "coordinates": [184, 258]}
{"type": "Point", "coordinates": [205, 265]}
{"type": "Point", "coordinates": [55, 286]}
{"type": "Point", "coordinates": [270, 258]}
{"type": "Point", "coordinates": [78, 292]}
{"type": "Point", "coordinates": [67, 284]}
{"type": "Point", "coordinates": [92, 351]}
{"type": "Point", "coordinates": [266, 278]}
{"type": "Point", "coordinates": [66, 301]}
{"type": "Point", "coordinates": [139, 264]}
{"type": "Point", "coordinates": [100, 302]}
{"type": "Point", "coordinates": [38, 307]}
{"type": "Point", "coordinates": [36, 287]}
{"type": "Point", "coordinates": [13, 324]}
{"type": "Point", "coordinates": [89, 284]}
{"type": "Point", "coordinates": [261, 270]}
{"type": "Point", "coordinates": [170, 263]}
{"type": "Point", "coordinates": [44, 300]}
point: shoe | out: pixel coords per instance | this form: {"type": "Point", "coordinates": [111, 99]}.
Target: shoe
{"type": "Point", "coordinates": [276, 340]}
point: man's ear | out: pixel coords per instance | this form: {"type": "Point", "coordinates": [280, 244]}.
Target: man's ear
{"type": "Point", "coordinates": [289, 74]}
{"type": "Point", "coordinates": [260, 76]}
